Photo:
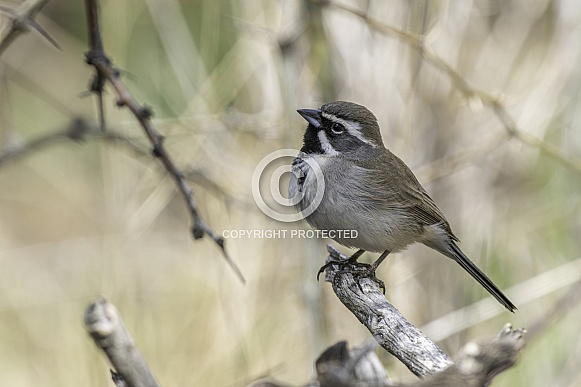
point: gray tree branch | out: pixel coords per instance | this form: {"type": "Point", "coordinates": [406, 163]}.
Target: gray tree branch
{"type": "Point", "coordinates": [391, 330]}
{"type": "Point", "coordinates": [476, 364]}
{"type": "Point", "coordinates": [103, 322]}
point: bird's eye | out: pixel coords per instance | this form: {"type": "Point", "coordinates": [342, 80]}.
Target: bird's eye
{"type": "Point", "coordinates": [337, 128]}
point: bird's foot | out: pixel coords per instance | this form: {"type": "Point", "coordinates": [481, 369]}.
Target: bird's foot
{"type": "Point", "coordinates": [364, 270]}
{"type": "Point", "coordinates": [342, 265]}
{"type": "Point", "coordinates": [357, 269]}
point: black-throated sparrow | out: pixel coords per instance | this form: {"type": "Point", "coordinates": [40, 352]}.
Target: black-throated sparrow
{"type": "Point", "coordinates": [370, 190]}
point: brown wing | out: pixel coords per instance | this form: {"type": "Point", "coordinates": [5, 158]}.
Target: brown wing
{"type": "Point", "coordinates": [401, 191]}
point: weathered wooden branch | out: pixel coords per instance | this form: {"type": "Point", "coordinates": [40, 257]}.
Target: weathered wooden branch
{"type": "Point", "coordinates": [391, 330]}
{"type": "Point", "coordinates": [103, 322]}
{"type": "Point", "coordinates": [477, 363]}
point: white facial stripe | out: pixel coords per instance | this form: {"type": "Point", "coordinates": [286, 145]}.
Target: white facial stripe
{"type": "Point", "coordinates": [326, 145]}
{"type": "Point", "coordinates": [353, 128]}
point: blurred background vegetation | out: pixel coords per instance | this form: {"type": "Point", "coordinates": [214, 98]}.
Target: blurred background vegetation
{"type": "Point", "coordinates": [224, 78]}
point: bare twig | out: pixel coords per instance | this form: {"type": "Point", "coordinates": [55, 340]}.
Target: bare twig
{"type": "Point", "coordinates": [23, 19]}
{"type": "Point", "coordinates": [97, 84]}
{"type": "Point", "coordinates": [78, 130]}
{"type": "Point", "coordinates": [471, 93]}
{"type": "Point", "coordinates": [106, 72]}
{"type": "Point", "coordinates": [104, 324]}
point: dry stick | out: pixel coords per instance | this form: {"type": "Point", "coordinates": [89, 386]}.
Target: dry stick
{"type": "Point", "coordinates": [22, 21]}
{"type": "Point", "coordinates": [419, 42]}
{"type": "Point", "coordinates": [477, 363]}
{"type": "Point", "coordinates": [105, 72]}
{"type": "Point", "coordinates": [104, 324]}
{"type": "Point", "coordinates": [78, 130]}
{"type": "Point", "coordinates": [391, 330]}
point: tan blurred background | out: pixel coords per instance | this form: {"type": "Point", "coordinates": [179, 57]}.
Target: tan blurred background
{"type": "Point", "coordinates": [224, 78]}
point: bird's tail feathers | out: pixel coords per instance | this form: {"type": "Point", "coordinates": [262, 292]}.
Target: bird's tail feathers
{"type": "Point", "coordinates": [479, 276]}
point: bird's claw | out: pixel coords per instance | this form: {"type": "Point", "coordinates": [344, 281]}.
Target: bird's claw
{"type": "Point", "coordinates": [362, 270]}
{"type": "Point", "coordinates": [324, 267]}
{"type": "Point", "coordinates": [342, 265]}
{"type": "Point", "coordinates": [368, 272]}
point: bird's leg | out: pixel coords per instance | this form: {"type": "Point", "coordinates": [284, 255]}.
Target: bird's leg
{"type": "Point", "coordinates": [370, 271]}
{"type": "Point", "coordinates": [352, 260]}
{"type": "Point", "coordinates": [378, 261]}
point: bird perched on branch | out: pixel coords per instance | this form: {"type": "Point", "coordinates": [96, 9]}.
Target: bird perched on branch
{"type": "Point", "coordinates": [368, 189]}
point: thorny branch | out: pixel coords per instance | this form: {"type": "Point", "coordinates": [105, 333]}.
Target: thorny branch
{"type": "Point", "coordinates": [23, 19]}
{"type": "Point", "coordinates": [78, 130]}
{"type": "Point", "coordinates": [105, 72]}
{"type": "Point", "coordinates": [471, 93]}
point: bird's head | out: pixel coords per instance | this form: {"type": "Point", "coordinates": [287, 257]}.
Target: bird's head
{"type": "Point", "coordinates": [340, 128]}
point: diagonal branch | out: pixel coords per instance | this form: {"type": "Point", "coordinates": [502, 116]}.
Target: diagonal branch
{"type": "Point", "coordinates": [492, 101]}
{"type": "Point", "coordinates": [105, 72]}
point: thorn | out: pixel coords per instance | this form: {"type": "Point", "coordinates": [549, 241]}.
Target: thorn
{"type": "Point", "coordinates": [146, 111]}
{"type": "Point", "coordinates": [97, 84]}
{"type": "Point", "coordinates": [198, 233]}
{"type": "Point", "coordinates": [157, 153]}
{"type": "Point", "coordinates": [220, 242]}
{"type": "Point", "coordinates": [43, 33]}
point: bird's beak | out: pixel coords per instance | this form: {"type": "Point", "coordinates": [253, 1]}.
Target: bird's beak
{"type": "Point", "coordinates": [313, 116]}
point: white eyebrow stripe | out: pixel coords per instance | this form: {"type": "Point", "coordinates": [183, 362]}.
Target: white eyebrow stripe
{"type": "Point", "coordinates": [353, 128]}
{"type": "Point", "coordinates": [326, 145]}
